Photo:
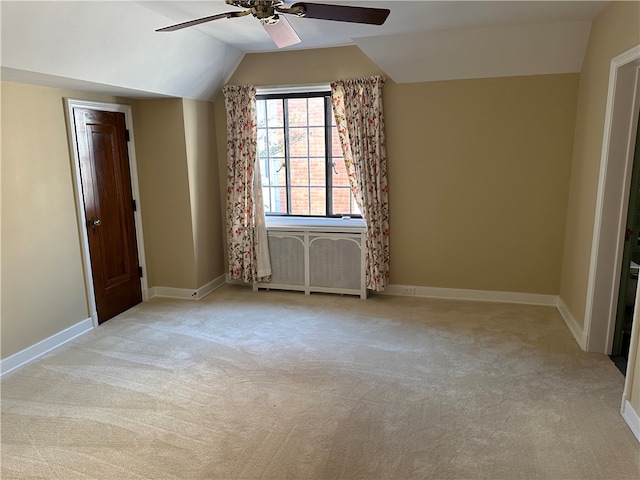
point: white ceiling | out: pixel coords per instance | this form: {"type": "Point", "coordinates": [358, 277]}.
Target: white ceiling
{"type": "Point", "coordinates": [112, 46]}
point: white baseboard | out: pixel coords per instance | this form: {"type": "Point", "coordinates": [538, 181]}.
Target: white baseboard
{"type": "Point", "coordinates": [632, 418]}
{"type": "Point", "coordinates": [490, 296]}
{"type": "Point", "coordinates": [574, 327]}
{"type": "Point", "coordinates": [33, 352]}
{"type": "Point", "coordinates": [473, 295]}
{"type": "Point", "coordinates": [185, 293]}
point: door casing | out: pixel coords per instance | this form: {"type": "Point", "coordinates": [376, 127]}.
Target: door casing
{"type": "Point", "coordinates": [70, 104]}
{"type": "Point", "coordinates": [623, 104]}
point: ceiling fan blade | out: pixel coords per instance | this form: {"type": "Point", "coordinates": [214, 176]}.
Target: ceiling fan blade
{"type": "Point", "coordinates": [343, 13]}
{"type": "Point", "coordinates": [281, 32]}
{"type": "Point", "coordinates": [179, 26]}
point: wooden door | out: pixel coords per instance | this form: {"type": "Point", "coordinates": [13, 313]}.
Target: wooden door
{"type": "Point", "coordinates": [108, 202]}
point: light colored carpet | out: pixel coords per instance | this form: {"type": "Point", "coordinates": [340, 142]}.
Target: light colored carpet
{"type": "Point", "coordinates": [276, 385]}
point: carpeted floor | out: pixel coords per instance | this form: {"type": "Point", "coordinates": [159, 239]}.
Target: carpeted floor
{"type": "Point", "coordinates": [277, 385]}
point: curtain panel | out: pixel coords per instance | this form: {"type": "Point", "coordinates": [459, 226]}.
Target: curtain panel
{"type": "Point", "coordinates": [357, 107]}
{"type": "Point", "coordinates": [247, 248]}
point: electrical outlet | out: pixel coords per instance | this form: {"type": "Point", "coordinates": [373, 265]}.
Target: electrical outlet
{"type": "Point", "coordinates": [408, 290]}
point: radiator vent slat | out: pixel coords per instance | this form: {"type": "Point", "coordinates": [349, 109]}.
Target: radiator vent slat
{"type": "Point", "coordinates": [312, 261]}
{"type": "Point", "coordinates": [287, 259]}
{"type": "Point", "coordinates": [334, 263]}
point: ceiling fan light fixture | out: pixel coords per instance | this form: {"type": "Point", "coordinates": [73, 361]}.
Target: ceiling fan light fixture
{"type": "Point", "coordinates": [272, 20]}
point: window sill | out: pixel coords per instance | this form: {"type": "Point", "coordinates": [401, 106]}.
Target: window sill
{"type": "Point", "coordinates": [315, 224]}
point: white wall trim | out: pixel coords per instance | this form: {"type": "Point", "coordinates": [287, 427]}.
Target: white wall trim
{"type": "Point", "coordinates": [37, 350]}
{"type": "Point", "coordinates": [185, 293]}
{"type": "Point", "coordinates": [491, 296]}
{"type": "Point", "coordinates": [457, 294]}
{"type": "Point", "coordinates": [574, 327]}
{"type": "Point", "coordinates": [632, 418]}
{"type": "Point", "coordinates": [470, 295]}
{"type": "Point", "coordinates": [70, 104]}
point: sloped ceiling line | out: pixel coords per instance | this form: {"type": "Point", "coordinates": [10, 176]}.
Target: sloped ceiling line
{"type": "Point", "coordinates": [112, 47]}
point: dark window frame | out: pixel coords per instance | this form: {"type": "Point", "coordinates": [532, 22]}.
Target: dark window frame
{"type": "Point", "coordinates": [328, 160]}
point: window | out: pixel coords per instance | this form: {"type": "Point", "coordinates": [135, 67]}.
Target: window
{"type": "Point", "coordinates": [301, 163]}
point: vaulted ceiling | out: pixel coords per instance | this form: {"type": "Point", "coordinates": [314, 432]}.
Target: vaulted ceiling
{"type": "Point", "coordinates": [112, 46]}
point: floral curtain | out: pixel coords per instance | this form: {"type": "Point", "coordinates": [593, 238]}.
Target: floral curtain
{"type": "Point", "coordinates": [357, 106]}
{"type": "Point", "coordinates": [246, 232]}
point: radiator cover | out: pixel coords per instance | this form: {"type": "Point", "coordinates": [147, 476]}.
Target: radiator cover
{"type": "Point", "coordinates": [317, 261]}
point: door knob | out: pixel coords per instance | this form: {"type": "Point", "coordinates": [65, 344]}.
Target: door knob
{"type": "Point", "coordinates": [95, 222]}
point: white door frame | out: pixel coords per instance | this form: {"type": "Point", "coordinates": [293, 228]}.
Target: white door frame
{"type": "Point", "coordinates": [616, 165]}
{"type": "Point", "coordinates": [70, 104]}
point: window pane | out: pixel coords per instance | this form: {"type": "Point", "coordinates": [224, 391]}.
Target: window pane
{"type": "Point", "coordinates": [318, 172]}
{"type": "Point", "coordinates": [275, 112]}
{"type": "Point", "coordinates": [275, 142]}
{"type": "Point", "coordinates": [263, 151]}
{"type": "Point", "coordinates": [354, 206]}
{"type": "Point", "coordinates": [316, 112]}
{"type": "Point", "coordinates": [298, 142]}
{"type": "Point", "coordinates": [341, 201]}
{"type": "Point", "coordinates": [261, 113]}
{"type": "Point", "coordinates": [339, 172]}
{"type": "Point", "coordinates": [264, 172]}
{"type": "Point", "coordinates": [316, 142]}
{"type": "Point", "coordinates": [299, 201]}
{"type": "Point", "coordinates": [336, 147]}
{"type": "Point", "coordinates": [278, 198]}
{"type": "Point", "coordinates": [297, 110]}
{"type": "Point", "coordinates": [299, 175]}
{"type": "Point", "coordinates": [278, 172]}
{"type": "Point", "coordinates": [318, 201]}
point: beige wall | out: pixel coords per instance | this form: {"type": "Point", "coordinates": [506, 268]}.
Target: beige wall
{"type": "Point", "coordinates": [206, 213]}
{"type": "Point", "coordinates": [164, 193]}
{"type": "Point", "coordinates": [614, 31]}
{"type": "Point", "coordinates": [178, 178]}
{"type": "Point", "coordinates": [478, 169]}
{"type": "Point", "coordinates": [478, 174]}
{"type": "Point", "coordinates": [43, 288]}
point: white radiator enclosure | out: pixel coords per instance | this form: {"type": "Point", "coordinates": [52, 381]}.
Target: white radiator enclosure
{"type": "Point", "coordinates": [324, 257]}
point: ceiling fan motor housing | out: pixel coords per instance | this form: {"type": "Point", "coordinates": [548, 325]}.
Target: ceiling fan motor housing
{"type": "Point", "coordinates": [266, 10]}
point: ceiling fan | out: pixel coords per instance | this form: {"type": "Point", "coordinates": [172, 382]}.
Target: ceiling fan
{"type": "Point", "coordinates": [277, 26]}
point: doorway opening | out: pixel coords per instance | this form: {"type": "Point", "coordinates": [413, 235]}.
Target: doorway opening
{"type": "Point", "coordinates": [629, 270]}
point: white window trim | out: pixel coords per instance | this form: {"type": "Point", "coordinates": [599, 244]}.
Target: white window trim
{"type": "Point", "coordinates": [276, 89]}
{"type": "Point", "coordinates": [314, 224]}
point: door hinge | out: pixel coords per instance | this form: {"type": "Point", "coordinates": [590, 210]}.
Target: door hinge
{"type": "Point", "coordinates": [126, 135]}
{"type": "Point", "coordinates": [135, 206]}
{"type": "Point", "coordinates": [140, 272]}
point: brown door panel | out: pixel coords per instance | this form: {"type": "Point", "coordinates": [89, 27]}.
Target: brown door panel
{"type": "Point", "coordinates": [106, 185]}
